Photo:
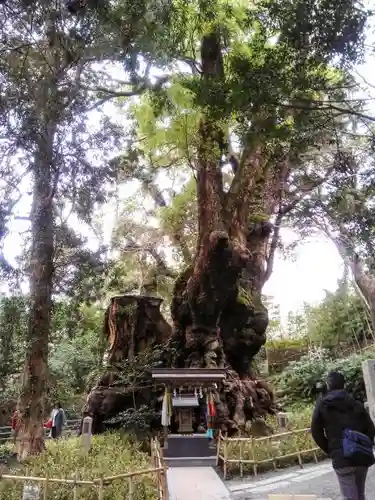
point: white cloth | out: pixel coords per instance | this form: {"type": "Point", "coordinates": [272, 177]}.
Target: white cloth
{"type": "Point", "coordinates": [165, 417]}
{"type": "Point", "coordinates": [53, 416]}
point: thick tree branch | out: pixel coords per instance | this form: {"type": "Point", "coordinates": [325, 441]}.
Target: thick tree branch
{"type": "Point", "coordinates": [113, 94]}
{"type": "Point", "coordinates": [330, 107]}
{"type": "Point", "coordinates": [153, 190]}
{"type": "Point", "coordinates": [160, 263]}
{"type": "Point", "coordinates": [305, 190]}
{"type": "Point", "coordinates": [270, 260]}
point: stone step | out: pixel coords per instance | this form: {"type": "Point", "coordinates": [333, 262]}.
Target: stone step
{"type": "Point", "coordinates": [194, 446]}
{"type": "Point", "coordinates": [191, 461]}
{"type": "Point", "coordinates": [197, 483]}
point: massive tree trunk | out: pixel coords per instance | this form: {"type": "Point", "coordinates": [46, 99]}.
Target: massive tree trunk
{"type": "Point", "coordinates": [219, 319]}
{"type": "Point", "coordinates": [31, 403]}
{"type": "Point", "coordinates": [133, 325]}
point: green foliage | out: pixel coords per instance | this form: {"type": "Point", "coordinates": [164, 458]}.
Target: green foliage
{"type": "Point", "coordinates": [329, 30]}
{"type": "Point", "coordinates": [135, 421]}
{"type": "Point", "coordinates": [13, 327]}
{"type": "Point", "coordinates": [111, 454]}
{"type": "Point", "coordinates": [288, 343]}
{"type": "Point", "coordinates": [135, 372]}
{"type": "Point", "coordinates": [180, 216]}
{"type": "Point", "coordinates": [341, 319]}
{"type": "Point", "coordinates": [73, 360]}
{"type": "Point", "coordinates": [299, 380]}
{"type": "Point", "coordinates": [76, 347]}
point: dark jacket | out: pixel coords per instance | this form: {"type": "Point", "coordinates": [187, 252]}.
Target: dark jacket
{"type": "Point", "coordinates": [60, 419]}
{"type": "Point", "coordinates": [333, 413]}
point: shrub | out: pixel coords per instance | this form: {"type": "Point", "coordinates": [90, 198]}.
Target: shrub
{"type": "Point", "coordinates": [298, 381]}
{"type": "Point", "coordinates": [280, 352]}
{"type": "Point", "coordinates": [111, 454]}
{"type": "Point", "coordinates": [288, 343]}
{"type": "Point", "coordinates": [278, 450]}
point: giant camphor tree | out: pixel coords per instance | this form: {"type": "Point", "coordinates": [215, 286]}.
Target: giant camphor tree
{"type": "Point", "coordinates": [264, 99]}
{"type": "Point", "coordinates": [265, 76]}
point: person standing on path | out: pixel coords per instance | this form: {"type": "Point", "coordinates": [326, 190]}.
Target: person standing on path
{"type": "Point", "coordinates": [58, 421]}
{"type": "Point", "coordinates": [15, 425]}
{"type": "Point", "coordinates": [343, 429]}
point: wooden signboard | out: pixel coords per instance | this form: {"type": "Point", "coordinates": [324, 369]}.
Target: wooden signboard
{"type": "Point", "coordinates": [31, 492]}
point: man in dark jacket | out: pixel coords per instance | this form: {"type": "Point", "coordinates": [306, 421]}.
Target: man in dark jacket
{"type": "Point", "coordinates": [333, 413]}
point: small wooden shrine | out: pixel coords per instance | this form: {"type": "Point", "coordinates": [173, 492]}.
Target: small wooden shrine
{"type": "Point", "coordinates": [188, 395]}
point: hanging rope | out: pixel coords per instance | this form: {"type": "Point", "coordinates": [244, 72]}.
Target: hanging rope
{"type": "Point", "coordinates": [211, 413]}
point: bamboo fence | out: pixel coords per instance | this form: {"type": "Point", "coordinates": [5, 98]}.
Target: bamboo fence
{"type": "Point", "coordinates": [158, 469]}
{"type": "Point", "coordinates": [71, 427]}
{"type": "Point", "coordinates": [256, 452]}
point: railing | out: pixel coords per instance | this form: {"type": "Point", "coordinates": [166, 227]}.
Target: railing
{"type": "Point", "coordinates": [72, 426]}
{"type": "Point", "coordinates": [158, 462]}
{"type": "Point", "coordinates": [158, 469]}
{"type": "Point", "coordinates": [255, 452]}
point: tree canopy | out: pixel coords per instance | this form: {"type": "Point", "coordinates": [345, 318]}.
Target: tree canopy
{"type": "Point", "coordinates": [230, 119]}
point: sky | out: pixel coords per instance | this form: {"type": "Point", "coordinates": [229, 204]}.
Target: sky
{"type": "Point", "coordinates": [315, 268]}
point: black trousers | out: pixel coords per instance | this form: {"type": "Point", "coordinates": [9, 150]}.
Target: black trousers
{"type": "Point", "coordinates": [352, 481]}
{"type": "Point", "coordinates": [54, 433]}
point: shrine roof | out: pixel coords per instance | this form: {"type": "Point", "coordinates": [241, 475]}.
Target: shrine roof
{"type": "Point", "coordinates": [189, 374]}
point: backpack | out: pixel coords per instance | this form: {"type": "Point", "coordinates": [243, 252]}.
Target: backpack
{"type": "Point", "coordinates": [358, 448]}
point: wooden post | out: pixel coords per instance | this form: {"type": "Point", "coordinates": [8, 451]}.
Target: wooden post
{"type": "Point", "coordinates": [241, 456]}
{"type": "Point", "coordinates": [165, 486]}
{"type": "Point", "coordinates": [130, 496]}
{"type": "Point", "coordinates": [255, 469]}
{"type": "Point", "coordinates": [45, 492]}
{"type": "Point", "coordinates": [299, 455]}
{"type": "Point", "coordinates": [152, 452]}
{"type": "Point", "coordinates": [75, 486]}
{"type": "Point", "coordinates": [273, 454]}
{"type": "Point", "coordinates": [86, 434]}
{"type": "Point", "coordinates": [225, 458]}
{"type": "Point", "coordinates": [218, 449]}
{"type": "Point", "coordinates": [101, 489]}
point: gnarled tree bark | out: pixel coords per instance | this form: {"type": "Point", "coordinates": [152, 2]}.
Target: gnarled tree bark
{"type": "Point", "coordinates": [132, 325]}
{"type": "Point", "coordinates": [31, 403]}
{"type": "Point", "coordinates": [218, 316]}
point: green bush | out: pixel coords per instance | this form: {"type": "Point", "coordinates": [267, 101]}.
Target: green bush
{"type": "Point", "coordinates": [298, 381]}
{"type": "Point", "coordinates": [111, 454]}
{"type": "Point", "coordinates": [290, 343]}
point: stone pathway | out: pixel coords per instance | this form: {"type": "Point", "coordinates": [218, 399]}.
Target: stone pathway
{"type": "Point", "coordinates": [314, 479]}
{"type": "Point", "coordinates": [294, 480]}
{"type": "Point", "coordinates": [203, 483]}
{"type": "Point", "coordinates": [195, 483]}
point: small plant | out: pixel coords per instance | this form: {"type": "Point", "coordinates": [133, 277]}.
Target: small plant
{"type": "Point", "coordinates": [111, 454]}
